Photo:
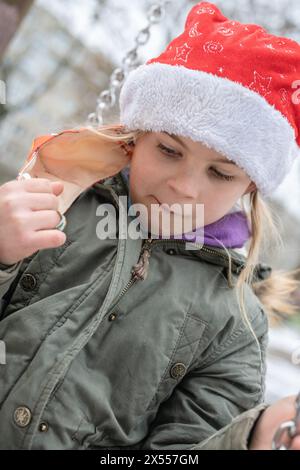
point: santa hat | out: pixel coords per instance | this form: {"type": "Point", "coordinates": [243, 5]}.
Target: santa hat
{"type": "Point", "coordinates": [231, 86]}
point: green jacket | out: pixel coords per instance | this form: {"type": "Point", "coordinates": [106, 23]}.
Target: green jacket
{"type": "Point", "coordinates": [99, 358]}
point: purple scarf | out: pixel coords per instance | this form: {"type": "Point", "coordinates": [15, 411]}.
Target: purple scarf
{"type": "Point", "coordinates": [232, 230]}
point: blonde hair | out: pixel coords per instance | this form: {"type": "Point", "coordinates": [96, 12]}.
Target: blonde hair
{"type": "Point", "coordinates": [276, 291]}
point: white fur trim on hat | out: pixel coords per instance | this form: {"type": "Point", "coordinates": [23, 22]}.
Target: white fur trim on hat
{"type": "Point", "coordinates": [222, 114]}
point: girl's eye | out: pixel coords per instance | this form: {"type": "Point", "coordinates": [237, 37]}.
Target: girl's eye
{"type": "Point", "coordinates": [221, 175]}
{"type": "Point", "coordinates": [170, 152]}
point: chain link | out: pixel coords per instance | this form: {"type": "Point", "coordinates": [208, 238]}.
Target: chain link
{"type": "Point", "coordinates": [107, 98]}
{"type": "Point", "coordinates": [287, 430]}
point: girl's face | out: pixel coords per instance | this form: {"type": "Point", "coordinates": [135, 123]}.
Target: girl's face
{"type": "Point", "coordinates": [172, 169]}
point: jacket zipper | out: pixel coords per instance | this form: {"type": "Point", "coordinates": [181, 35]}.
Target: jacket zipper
{"type": "Point", "coordinates": [140, 269]}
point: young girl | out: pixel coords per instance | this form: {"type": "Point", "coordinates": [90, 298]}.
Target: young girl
{"type": "Point", "coordinates": [122, 342]}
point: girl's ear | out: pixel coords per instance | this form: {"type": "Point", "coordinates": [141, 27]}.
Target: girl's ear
{"type": "Point", "coordinates": [127, 149]}
{"type": "Point", "coordinates": [252, 187]}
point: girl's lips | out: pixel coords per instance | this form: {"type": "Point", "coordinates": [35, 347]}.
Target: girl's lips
{"type": "Point", "coordinates": [156, 200]}
{"type": "Point", "coordinates": [165, 207]}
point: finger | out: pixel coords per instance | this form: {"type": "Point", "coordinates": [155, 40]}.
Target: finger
{"type": "Point", "coordinates": [41, 201]}
{"type": "Point", "coordinates": [57, 187]}
{"type": "Point", "coordinates": [44, 220]}
{"type": "Point", "coordinates": [36, 185]}
{"type": "Point", "coordinates": [43, 239]}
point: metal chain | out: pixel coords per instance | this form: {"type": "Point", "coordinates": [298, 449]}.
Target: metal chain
{"type": "Point", "coordinates": [107, 98]}
{"type": "Point", "coordinates": [287, 430]}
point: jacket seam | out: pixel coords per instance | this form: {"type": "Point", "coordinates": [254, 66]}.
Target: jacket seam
{"type": "Point", "coordinates": [34, 294]}
{"type": "Point", "coordinates": [219, 349]}
{"type": "Point", "coordinates": [60, 322]}
{"type": "Point", "coordinates": [239, 331]}
{"type": "Point", "coordinates": [182, 329]}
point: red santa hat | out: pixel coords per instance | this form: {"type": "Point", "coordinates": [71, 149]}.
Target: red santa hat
{"type": "Point", "coordinates": [231, 86]}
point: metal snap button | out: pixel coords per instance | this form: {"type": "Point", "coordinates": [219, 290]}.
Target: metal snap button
{"type": "Point", "coordinates": [43, 427]}
{"type": "Point", "coordinates": [112, 316]}
{"type": "Point", "coordinates": [22, 416]}
{"type": "Point", "coordinates": [28, 281]}
{"type": "Point", "coordinates": [170, 251]}
{"type": "Point", "coordinates": [178, 370]}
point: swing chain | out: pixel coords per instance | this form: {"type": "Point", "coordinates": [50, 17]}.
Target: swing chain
{"type": "Point", "coordinates": [287, 430]}
{"type": "Point", "coordinates": [107, 98]}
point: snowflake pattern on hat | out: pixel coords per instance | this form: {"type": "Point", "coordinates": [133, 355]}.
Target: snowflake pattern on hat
{"type": "Point", "coordinates": [225, 31]}
{"type": "Point", "coordinates": [183, 52]}
{"type": "Point", "coordinates": [213, 47]}
{"type": "Point", "coordinates": [194, 30]}
{"type": "Point", "coordinates": [261, 84]}
{"type": "Point", "coordinates": [206, 9]}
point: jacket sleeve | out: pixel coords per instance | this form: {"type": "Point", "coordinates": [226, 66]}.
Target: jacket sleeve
{"type": "Point", "coordinates": [210, 396]}
{"type": "Point", "coordinates": [7, 275]}
{"type": "Point", "coordinates": [236, 435]}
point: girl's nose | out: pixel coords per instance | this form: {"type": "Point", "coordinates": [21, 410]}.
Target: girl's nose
{"type": "Point", "coordinates": [185, 186]}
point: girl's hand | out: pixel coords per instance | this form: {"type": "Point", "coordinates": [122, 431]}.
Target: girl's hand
{"type": "Point", "coordinates": [270, 420]}
{"type": "Point", "coordinates": [28, 217]}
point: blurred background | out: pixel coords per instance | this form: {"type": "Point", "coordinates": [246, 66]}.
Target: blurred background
{"type": "Point", "coordinates": [57, 57]}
